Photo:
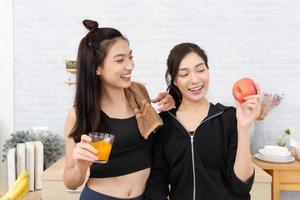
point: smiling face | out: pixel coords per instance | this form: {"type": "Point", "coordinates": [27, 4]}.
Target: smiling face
{"type": "Point", "coordinates": [117, 66]}
{"type": "Point", "coordinates": [192, 78]}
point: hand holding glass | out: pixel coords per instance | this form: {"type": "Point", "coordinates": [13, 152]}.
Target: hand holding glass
{"type": "Point", "coordinates": [103, 143]}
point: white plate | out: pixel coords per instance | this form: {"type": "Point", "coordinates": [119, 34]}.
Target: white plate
{"type": "Point", "coordinates": [261, 157]}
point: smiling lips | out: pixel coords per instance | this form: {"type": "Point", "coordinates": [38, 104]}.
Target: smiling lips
{"type": "Point", "coordinates": [126, 77]}
{"type": "Point", "coordinates": [196, 90]}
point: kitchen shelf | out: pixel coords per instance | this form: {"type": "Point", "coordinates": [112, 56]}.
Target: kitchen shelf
{"type": "Point", "coordinates": [70, 82]}
{"type": "Point", "coordinates": [71, 70]}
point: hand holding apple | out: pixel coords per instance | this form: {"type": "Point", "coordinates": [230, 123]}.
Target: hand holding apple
{"type": "Point", "coordinates": [242, 88]}
{"type": "Point", "coordinates": [247, 94]}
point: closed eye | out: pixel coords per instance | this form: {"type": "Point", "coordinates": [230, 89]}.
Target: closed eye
{"type": "Point", "coordinates": [182, 75]}
{"type": "Point", "coordinates": [120, 61]}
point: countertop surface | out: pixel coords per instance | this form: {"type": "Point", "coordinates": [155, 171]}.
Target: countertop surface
{"type": "Point", "coordinates": [55, 172]}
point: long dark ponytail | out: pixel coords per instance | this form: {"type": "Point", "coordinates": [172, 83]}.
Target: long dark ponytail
{"type": "Point", "coordinates": [92, 51]}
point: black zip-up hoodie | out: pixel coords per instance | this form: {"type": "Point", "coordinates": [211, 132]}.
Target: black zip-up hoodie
{"type": "Point", "coordinates": [197, 166]}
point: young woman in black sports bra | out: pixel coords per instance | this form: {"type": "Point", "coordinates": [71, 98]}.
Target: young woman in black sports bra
{"type": "Point", "coordinates": [104, 72]}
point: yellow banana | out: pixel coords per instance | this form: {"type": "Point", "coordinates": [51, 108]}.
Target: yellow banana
{"type": "Point", "coordinates": [19, 189]}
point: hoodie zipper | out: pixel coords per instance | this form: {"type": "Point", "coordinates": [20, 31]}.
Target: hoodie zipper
{"type": "Point", "coordinates": [192, 146]}
{"type": "Point", "coordinates": [193, 162]}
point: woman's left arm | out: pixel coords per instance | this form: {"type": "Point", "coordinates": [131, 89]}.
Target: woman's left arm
{"type": "Point", "coordinates": [246, 114]}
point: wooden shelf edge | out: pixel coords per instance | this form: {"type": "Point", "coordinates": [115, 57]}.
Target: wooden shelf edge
{"type": "Point", "coordinates": [71, 70]}
{"type": "Point", "coordinates": [70, 82]}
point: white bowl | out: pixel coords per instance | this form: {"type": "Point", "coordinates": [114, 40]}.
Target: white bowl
{"type": "Point", "coordinates": [275, 155]}
{"type": "Point", "coordinates": [277, 150]}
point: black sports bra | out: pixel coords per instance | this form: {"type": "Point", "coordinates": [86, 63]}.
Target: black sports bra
{"type": "Point", "coordinates": [130, 151]}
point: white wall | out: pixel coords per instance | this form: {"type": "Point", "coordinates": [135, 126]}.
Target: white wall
{"type": "Point", "coordinates": [6, 80]}
{"type": "Point", "coordinates": [259, 38]}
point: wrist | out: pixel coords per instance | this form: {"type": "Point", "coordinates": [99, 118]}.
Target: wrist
{"type": "Point", "coordinates": [242, 128]}
{"type": "Point", "coordinates": [81, 171]}
{"type": "Point", "coordinates": [243, 132]}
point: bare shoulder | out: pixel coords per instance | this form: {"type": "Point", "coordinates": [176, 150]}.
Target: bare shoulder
{"type": "Point", "coordinates": [70, 144]}
{"type": "Point", "coordinates": [72, 114]}
{"type": "Point", "coordinates": [70, 121]}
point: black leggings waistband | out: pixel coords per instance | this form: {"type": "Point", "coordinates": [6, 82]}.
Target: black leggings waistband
{"type": "Point", "coordinates": [89, 194]}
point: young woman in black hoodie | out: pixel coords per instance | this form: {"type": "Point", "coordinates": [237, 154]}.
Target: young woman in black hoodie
{"type": "Point", "coordinates": [202, 151]}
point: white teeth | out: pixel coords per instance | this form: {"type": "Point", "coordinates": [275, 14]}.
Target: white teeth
{"type": "Point", "coordinates": [126, 76]}
{"type": "Point", "coordinates": [196, 88]}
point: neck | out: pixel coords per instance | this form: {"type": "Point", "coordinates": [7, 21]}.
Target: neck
{"type": "Point", "coordinates": [193, 106]}
{"type": "Point", "coordinates": [113, 96]}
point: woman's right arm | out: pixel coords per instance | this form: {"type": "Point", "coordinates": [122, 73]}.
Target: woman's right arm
{"type": "Point", "coordinates": [79, 156]}
{"type": "Point", "coordinates": [158, 183]}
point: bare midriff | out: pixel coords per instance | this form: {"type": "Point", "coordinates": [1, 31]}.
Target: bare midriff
{"type": "Point", "coordinates": [126, 186]}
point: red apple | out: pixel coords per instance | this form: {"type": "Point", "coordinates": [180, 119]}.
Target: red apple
{"type": "Point", "coordinates": [242, 88]}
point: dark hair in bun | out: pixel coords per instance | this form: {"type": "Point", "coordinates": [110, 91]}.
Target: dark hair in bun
{"type": "Point", "coordinates": [90, 24]}
{"type": "Point", "coordinates": [92, 51]}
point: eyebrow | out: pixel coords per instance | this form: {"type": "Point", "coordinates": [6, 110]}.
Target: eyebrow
{"type": "Point", "coordinates": [118, 55]}
{"type": "Point", "coordinates": [198, 65]}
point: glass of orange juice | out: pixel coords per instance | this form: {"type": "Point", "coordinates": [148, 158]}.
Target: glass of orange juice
{"type": "Point", "coordinates": [103, 143]}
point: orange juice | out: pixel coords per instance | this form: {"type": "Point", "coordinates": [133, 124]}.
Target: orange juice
{"type": "Point", "coordinates": [104, 149]}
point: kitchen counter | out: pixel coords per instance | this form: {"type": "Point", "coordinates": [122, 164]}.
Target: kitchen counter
{"type": "Point", "coordinates": [262, 187]}
{"type": "Point", "coordinates": [286, 176]}
{"type": "Point", "coordinates": [53, 185]}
